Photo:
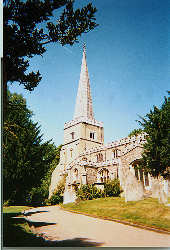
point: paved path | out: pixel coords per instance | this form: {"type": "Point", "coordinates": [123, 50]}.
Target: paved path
{"type": "Point", "coordinates": [70, 229]}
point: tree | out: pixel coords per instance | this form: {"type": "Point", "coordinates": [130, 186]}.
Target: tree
{"type": "Point", "coordinates": [26, 159]}
{"type": "Point", "coordinates": [156, 156]}
{"type": "Point", "coordinates": [39, 195]}
{"type": "Point", "coordinates": [25, 34]}
{"type": "Point", "coordinates": [135, 132]}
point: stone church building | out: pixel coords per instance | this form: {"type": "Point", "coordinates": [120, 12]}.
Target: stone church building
{"type": "Point", "coordinates": [87, 160]}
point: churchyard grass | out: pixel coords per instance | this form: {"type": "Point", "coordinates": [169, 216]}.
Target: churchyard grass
{"type": "Point", "coordinates": [146, 212]}
{"type": "Point", "coordinates": [16, 231]}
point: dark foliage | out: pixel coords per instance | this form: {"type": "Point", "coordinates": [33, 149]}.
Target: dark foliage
{"type": "Point", "coordinates": [135, 132]}
{"type": "Point", "coordinates": [38, 196]}
{"type": "Point", "coordinates": [29, 25]}
{"type": "Point", "coordinates": [156, 156]}
{"type": "Point", "coordinates": [26, 159]}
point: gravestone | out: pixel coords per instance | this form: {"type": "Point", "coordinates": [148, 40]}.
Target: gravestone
{"type": "Point", "coordinates": [69, 196]}
{"type": "Point", "coordinates": [155, 188]}
{"type": "Point", "coordinates": [69, 192]}
{"type": "Point", "coordinates": [163, 198]}
{"type": "Point", "coordinates": [134, 190]}
{"type": "Point", "coordinates": [158, 191]}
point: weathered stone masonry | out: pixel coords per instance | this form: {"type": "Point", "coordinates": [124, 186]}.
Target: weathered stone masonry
{"type": "Point", "coordinates": [86, 160]}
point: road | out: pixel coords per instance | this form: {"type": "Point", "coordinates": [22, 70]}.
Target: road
{"type": "Point", "coordinates": [70, 229]}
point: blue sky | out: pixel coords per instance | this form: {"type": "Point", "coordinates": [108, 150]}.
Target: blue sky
{"type": "Point", "coordinates": [128, 63]}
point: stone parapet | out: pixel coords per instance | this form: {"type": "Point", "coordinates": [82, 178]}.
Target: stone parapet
{"type": "Point", "coordinates": [83, 119]}
{"type": "Point", "coordinates": [131, 142]}
{"type": "Point", "coordinates": [97, 164]}
{"type": "Point", "coordinates": [93, 164]}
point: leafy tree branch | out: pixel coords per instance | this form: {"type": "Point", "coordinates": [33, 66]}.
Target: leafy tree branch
{"type": "Point", "coordinates": [29, 26]}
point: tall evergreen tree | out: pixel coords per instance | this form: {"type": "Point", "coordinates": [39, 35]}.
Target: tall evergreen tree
{"type": "Point", "coordinates": [25, 157]}
{"type": "Point", "coordinates": [135, 132]}
{"type": "Point", "coordinates": [39, 195]}
{"type": "Point", "coordinates": [156, 156]}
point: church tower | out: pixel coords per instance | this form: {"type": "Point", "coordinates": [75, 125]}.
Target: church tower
{"type": "Point", "coordinates": [83, 132]}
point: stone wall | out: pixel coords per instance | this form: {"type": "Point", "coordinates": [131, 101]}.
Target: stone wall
{"type": "Point", "coordinates": [135, 154]}
{"type": "Point", "coordinates": [91, 175]}
{"type": "Point", "coordinates": [127, 149]}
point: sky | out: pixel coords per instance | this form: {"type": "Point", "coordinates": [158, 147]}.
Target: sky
{"type": "Point", "coordinates": [128, 64]}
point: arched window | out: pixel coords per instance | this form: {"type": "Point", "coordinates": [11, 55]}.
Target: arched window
{"type": "Point", "coordinates": [99, 157]}
{"type": "Point", "coordinates": [75, 175]}
{"type": "Point", "coordinates": [115, 153]}
{"type": "Point", "coordinates": [104, 175]}
{"type": "Point", "coordinates": [92, 135]}
{"type": "Point", "coordinates": [107, 174]}
{"type": "Point", "coordinates": [76, 172]}
{"type": "Point", "coordinates": [136, 173]}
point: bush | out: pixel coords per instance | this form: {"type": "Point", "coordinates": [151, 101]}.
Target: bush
{"type": "Point", "coordinates": [11, 200]}
{"type": "Point", "coordinates": [112, 188]}
{"type": "Point", "coordinates": [89, 192]}
{"type": "Point", "coordinates": [57, 196]}
{"type": "Point", "coordinates": [38, 196]}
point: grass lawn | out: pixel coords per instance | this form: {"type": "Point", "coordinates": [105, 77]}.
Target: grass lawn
{"type": "Point", "coordinates": [147, 212]}
{"type": "Point", "coordinates": [16, 231]}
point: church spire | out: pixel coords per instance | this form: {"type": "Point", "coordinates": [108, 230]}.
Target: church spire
{"type": "Point", "coordinates": [83, 107]}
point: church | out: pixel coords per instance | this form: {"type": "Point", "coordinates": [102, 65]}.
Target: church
{"type": "Point", "coordinates": [85, 159]}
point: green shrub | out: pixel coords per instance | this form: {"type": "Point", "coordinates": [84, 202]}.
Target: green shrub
{"type": "Point", "coordinates": [89, 192]}
{"type": "Point", "coordinates": [38, 196]}
{"type": "Point", "coordinates": [11, 200]}
{"type": "Point", "coordinates": [112, 188]}
{"type": "Point", "coordinates": [57, 196]}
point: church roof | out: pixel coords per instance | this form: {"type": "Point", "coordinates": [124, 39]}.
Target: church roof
{"type": "Point", "coordinates": [83, 107]}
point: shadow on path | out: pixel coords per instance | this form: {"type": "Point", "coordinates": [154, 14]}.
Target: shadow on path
{"type": "Point", "coordinates": [21, 220]}
{"type": "Point", "coordinates": [14, 235]}
{"type": "Point", "coordinates": [30, 213]}
{"type": "Point", "coordinates": [39, 224]}
{"type": "Point", "coordinates": [76, 242]}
